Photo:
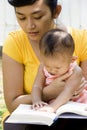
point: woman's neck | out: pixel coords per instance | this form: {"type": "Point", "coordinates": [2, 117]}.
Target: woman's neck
{"type": "Point", "coordinates": [35, 47]}
{"type": "Point", "coordinates": [62, 27]}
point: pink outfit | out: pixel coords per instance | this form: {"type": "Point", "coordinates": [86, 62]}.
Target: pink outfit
{"type": "Point", "coordinates": [50, 78]}
{"type": "Point", "coordinates": [82, 98]}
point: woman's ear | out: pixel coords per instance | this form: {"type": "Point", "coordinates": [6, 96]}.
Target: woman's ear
{"type": "Point", "coordinates": [57, 11]}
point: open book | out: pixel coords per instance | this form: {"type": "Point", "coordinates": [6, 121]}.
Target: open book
{"type": "Point", "coordinates": [24, 114]}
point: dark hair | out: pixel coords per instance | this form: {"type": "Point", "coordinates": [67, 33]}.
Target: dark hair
{"type": "Point", "coordinates": [56, 41]}
{"type": "Point", "coordinates": [18, 3]}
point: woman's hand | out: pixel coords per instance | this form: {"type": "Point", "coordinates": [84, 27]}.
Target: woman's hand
{"type": "Point", "coordinates": [80, 88]}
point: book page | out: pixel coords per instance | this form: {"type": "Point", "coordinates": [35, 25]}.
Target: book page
{"type": "Point", "coordinates": [24, 114]}
{"type": "Point", "coordinates": [73, 107]}
{"type": "Point", "coordinates": [26, 109]}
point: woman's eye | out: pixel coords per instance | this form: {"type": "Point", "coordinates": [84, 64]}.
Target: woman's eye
{"type": "Point", "coordinates": [21, 18]}
{"type": "Point", "coordinates": [38, 17]}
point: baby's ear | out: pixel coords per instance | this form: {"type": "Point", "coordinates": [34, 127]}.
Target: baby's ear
{"type": "Point", "coordinates": [74, 58]}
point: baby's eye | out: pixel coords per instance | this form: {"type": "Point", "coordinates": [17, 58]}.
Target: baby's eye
{"type": "Point", "coordinates": [57, 68]}
{"type": "Point", "coordinates": [51, 73]}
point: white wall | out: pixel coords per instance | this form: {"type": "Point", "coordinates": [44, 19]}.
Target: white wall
{"type": "Point", "coordinates": [73, 14]}
{"type": "Point", "coordinates": [7, 20]}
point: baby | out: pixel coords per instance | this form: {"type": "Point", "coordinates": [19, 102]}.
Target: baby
{"type": "Point", "coordinates": [56, 49]}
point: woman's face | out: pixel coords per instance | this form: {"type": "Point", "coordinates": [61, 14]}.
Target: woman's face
{"type": "Point", "coordinates": [35, 19]}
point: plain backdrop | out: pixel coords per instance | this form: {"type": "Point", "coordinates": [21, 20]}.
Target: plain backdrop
{"type": "Point", "coordinates": [73, 14]}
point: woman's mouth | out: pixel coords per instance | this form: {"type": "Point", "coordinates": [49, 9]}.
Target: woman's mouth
{"type": "Point", "coordinates": [32, 34]}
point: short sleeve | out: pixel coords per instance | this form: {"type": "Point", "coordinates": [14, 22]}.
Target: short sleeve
{"type": "Point", "coordinates": [80, 39]}
{"type": "Point", "coordinates": [12, 47]}
{"type": "Point", "coordinates": [84, 45]}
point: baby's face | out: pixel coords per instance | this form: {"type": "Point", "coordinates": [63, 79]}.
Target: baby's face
{"type": "Point", "coordinates": [57, 65]}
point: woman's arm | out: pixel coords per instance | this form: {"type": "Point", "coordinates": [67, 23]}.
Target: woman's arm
{"type": "Point", "coordinates": [84, 68]}
{"type": "Point", "coordinates": [13, 83]}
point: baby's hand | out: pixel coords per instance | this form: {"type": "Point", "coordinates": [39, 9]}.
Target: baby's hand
{"type": "Point", "coordinates": [47, 108]}
{"type": "Point", "coordinates": [38, 105]}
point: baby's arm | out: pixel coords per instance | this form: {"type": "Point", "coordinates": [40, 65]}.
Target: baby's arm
{"type": "Point", "coordinates": [37, 89]}
{"type": "Point", "coordinates": [71, 85]}
{"type": "Point", "coordinates": [52, 90]}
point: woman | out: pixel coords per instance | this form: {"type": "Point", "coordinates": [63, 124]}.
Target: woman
{"type": "Point", "coordinates": [21, 56]}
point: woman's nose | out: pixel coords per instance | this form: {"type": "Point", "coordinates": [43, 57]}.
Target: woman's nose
{"type": "Point", "coordinates": [30, 24]}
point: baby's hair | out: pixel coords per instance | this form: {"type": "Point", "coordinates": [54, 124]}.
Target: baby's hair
{"type": "Point", "coordinates": [56, 41]}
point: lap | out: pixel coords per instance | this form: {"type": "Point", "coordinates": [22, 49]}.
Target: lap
{"type": "Point", "coordinates": [62, 124]}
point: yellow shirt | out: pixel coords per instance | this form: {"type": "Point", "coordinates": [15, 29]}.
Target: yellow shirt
{"type": "Point", "coordinates": [80, 39]}
{"type": "Point", "coordinates": [18, 47]}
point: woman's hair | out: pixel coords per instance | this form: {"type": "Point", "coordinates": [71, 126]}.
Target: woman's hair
{"type": "Point", "coordinates": [18, 3]}
{"type": "Point", "coordinates": [56, 41]}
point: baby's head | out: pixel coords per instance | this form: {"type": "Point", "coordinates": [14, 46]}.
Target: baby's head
{"type": "Point", "coordinates": [56, 41]}
{"type": "Point", "coordinates": [56, 48]}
